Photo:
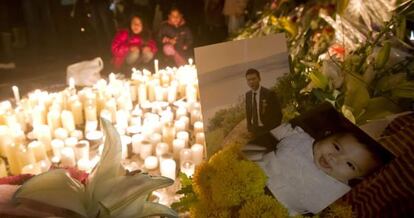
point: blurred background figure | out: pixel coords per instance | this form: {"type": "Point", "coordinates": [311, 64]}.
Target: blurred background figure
{"type": "Point", "coordinates": [6, 50]}
{"type": "Point", "coordinates": [234, 10]}
{"type": "Point", "coordinates": [133, 46]}
{"type": "Point", "coordinates": [176, 38]}
{"type": "Point", "coordinates": [215, 21]}
{"type": "Point", "coordinates": [102, 22]}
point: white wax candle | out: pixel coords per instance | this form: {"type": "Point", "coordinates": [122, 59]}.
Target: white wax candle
{"type": "Point", "coordinates": [68, 157]}
{"type": "Point", "coordinates": [172, 93]}
{"type": "Point", "coordinates": [195, 116]}
{"type": "Point", "coordinates": [31, 169]}
{"type": "Point", "coordinates": [145, 149]}
{"type": "Point", "coordinates": [132, 130]}
{"type": "Point", "coordinates": [162, 148]}
{"type": "Point", "coordinates": [16, 94]}
{"type": "Point", "coordinates": [90, 113]}
{"type": "Point", "coordinates": [186, 121]}
{"type": "Point", "coordinates": [94, 138]}
{"type": "Point", "coordinates": [44, 165]}
{"type": "Point", "coordinates": [186, 154]}
{"type": "Point", "coordinates": [168, 168]}
{"type": "Point", "coordinates": [198, 127]}
{"type": "Point", "coordinates": [25, 156]}
{"type": "Point", "coordinates": [71, 83]}
{"type": "Point", "coordinates": [159, 93]}
{"type": "Point", "coordinates": [125, 142]}
{"type": "Point", "coordinates": [71, 142]}
{"type": "Point", "coordinates": [178, 144]}
{"type": "Point", "coordinates": [77, 110]}
{"type": "Point", "coordinates": [68, 122]}
{"type": "Point", "coordinates": [190, 61]}
{"type": "Point", "coordinates": [155, 138]}
{"type": "Point", "coordinates": [142, 93]}
{"type": "Point", "coordinates": [156, 66]}
{"type": "Point", "coordinates": [77, 134]}
{"type": "Point", "coordinates": [11, 152]}
{"type": "Point", "coordinates": [185, 136]}
{"type": "Point", "coordinates": [200, 138]}
{"type": "Point", "coordinates": [168, 133]}
{"type": "Point", "coordinates": [191, 93]}
{"type": "Point", "coordinates": [188, 168]}
{"type": "Point", "coordinates": [106, 114]}
{"type": "Point", "coordinates": [44, 135]}
{"type": "Point", "coordinates": [122, 119]}
{"type": "Point", "coordinates": [61, 133]}
{"type": "Point", "coordinates": [136, 143]}
{"type": "Point", "coordinates": [82, 150]}
{"type": "Point", "coordinates": [91, 126]}
{"type": "Point", "coordinates": [181, 111]}
{"type": "Point", "coordinates": [197, 151]}
{"type": "Point", "coordinates": [5, 139]}
{"type": "Point", "coordinates": [3, 170]}
{"type": "Point", "coordinates": [151, 163]}
{"type": "Point", "coordinates": [110, 105]}
{"type": "Point", "coordinates": [84, 165]}
{"type": "Point", "coordinates": [38, 115]}
{"type": "Point", "coordinates": [57, 146]}
{"type": "Point", "coordinates": [38, 150]}
{"type": "Point", "coordinates": [53, 119]}
{"type": "Point", "coordinates": [179, 125]}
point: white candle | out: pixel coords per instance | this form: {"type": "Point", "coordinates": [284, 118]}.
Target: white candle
{"type": "Point", "coordinates": [25, 156]}
{"type": "Point", "coordinates": [5, 139]}
{"type": "Point", "coordinates": [200, 138]}
{"type": "Point", "coordinates": [77, 110]}
{"type": "Point", "coordinates": [145, 149]}
{"type": "Point", "coordinates": [136, 143]}
{"type": "Point", "coordinates": [11, 152]}
{"type": "Point", "coordinates": [91, 126]}
{"type": "Point", "coordinates": [68, 157]}
{"type": "Point", "coordinates": [90, 113]}
{"type": "Point", "coordinates": [106, 114]}
{"type": "Point", "coordinates": [3, 170]}
{"type": "Point", "coordinates": [151, 163]}
{"type": "Point", "coordinates": [132, 130]}
{"type": "Point", "coordinates": [185, 136]}
{"type": "Point", "coordinates": [195, 116]}
{"type": "Point", "coordinates": [155, 138]}
{"type": "Point", "coordinates": [110, 105]}
{"type": "Point", "coordinates": [198, 127]}
{"type": "Point", "coordinates": [84, 165]}
{"type": "Point", "coordinates": [161, 148]}
{"type": "Point", "coordinates": [60, 133]}
{"type": "Point", "coordinates": [142, 93]}
{"type": "Point", "coordinates": [77, 134]}
{"type": "Point", "coordinates": [38, 115]}
{"type": "Point", "coordinates": [181, 111]}
{"type": "Point", "coordinates": [178, 144]}
{"type": "Point", "coordinates": [168, 133]}
{"type": "Point", "coordinates": [191, 93]}
{"type": "Point", "coordinates": [31, 169]}
{"type": "Point", "coordinates": [186, 121]}
{"type": "Point", "coordinates": [185, 155]}
{"type": "Point", "coordinates": [82, 150]}
{"type": "Point", "coordinates": [44, 135]}
{"type": "Point", "coordinates": [156, 66]}
{"type": "Point", "coordinates": [122, 119]}
{"type": "Point", "coordinates": [197, 151]}
{"type": "Point", "coordinates": [53, 119]}
{"type": "Point", "coordinates": [125, 141]}
{"type": "Point", "coordinates": [188, 168]}
{"type": "Point", "coordinates": [71, 142]}
{"type": "Point", "coordinates": [57, 146]}
{"type": "Point", "coordinates": [44, 165]}
{"type": "Point", "coordinates": [38, 150]}
{"type": "Point", "coordinates": [16, 94]}
{"type": "Point", "coordinates": [168, 168]}
{"type": "Point", "coordinates": [68, 122]}
{"type": "Point", "coordinates": [179, 125]}
{"type": "Point", "coordinates": [71, 83]}
{"type": "Point", "coordinates": [94, 138]}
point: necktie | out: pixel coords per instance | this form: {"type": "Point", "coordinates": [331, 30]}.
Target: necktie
{"type": "Point", "coordinates": [254, 111]}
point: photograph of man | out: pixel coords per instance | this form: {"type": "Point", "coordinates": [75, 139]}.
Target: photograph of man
{"type": "Point", "coordinates": [263, 111]}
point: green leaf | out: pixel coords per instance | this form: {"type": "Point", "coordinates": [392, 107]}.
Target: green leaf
{"type": "Point", "coordinates": [401, 28]}
{"type": "Point", "coordinates": [108, 168]}
{"type": "Point", "coordinates": [386, 83]}
{"type": "Point", "coordinates": [56, 188]}
{"type": "Point", "coordinates": [404, 90]}
{"type": "Point", "coordinates": [318, 80]}
{"type": "Point", "coordinates": [185, 180]}
{"type": "Point", "coordinates": [383, 55]}
{"type": "Point", "coordinates": [130, 188]}
{"type": "Point", "coordinates": [378, 108]}
{"type": "Point", "coordinates": [154, 209]}
{"type": "Point", "coordinates": [341, 6]}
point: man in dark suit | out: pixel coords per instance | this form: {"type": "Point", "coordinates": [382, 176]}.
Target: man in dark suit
{"type": "Point", "coordinates": [263, 111]}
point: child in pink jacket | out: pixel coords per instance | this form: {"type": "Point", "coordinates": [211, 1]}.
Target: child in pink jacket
{"type": "Point", "coordinates": [133, 46]}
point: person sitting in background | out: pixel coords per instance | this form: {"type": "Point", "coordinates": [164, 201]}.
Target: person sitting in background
{"type": "Point", "coordinates": [176, 38]}
{"type": "Point", "coordinates": [133, 46]}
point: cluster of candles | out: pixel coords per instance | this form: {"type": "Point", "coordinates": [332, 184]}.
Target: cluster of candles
{"type": "Point", "coordinates": [158, 116]}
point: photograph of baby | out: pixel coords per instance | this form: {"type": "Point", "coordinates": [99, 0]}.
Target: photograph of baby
{"type": "Point", "coordinates": [315, 159]}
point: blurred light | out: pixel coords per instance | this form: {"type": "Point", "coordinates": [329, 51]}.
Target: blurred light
{"type": "Point", "coordinates": [89, 15]}
{"type": "Point", "coordinates": [82, 29]}
{"type": "Point", "coordinates": [412, 35]}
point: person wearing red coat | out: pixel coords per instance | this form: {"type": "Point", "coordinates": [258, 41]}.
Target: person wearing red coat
{"type": "Point", "coordinates": [133, 46]}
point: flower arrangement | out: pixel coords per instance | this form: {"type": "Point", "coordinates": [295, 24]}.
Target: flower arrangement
{"type": "Point", "coordinates": [107, 192]}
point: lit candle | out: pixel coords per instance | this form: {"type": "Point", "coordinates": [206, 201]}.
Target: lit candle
{"type": "Point", "coordinates": [91, 126]}
{"type": "Point", "coordinates": [200, 138]}
{"type": "Point", "coordinates": [168, 168]}
{"type": "Point", "coordinates": [77, 110]}
{"type": "Point", "coordinates": [84, 165]}
{"type": "Point", "coordinates": [71, 142]}
{"type": "Point", "coordinates": [188, 168]}
{"type": "Point", "coordinates": [53, 119]}
{"type": "Point", "coordinates": [11, 155]}
{"type": "Point", "coordinates": [68, 122]}
{"type": "Point", "coordinates": [136, 143]}
{"type": "Point", "coordinates": [44, 135]}
{"type": "Point", "coordinates": [71, 83]}
{"type": "Point", "coordinates": [198, 127]}
{"type": "Point", "coordinates": [191, 93]}
{"type": "Point", "coordinates": [132, 130]}
{"type": "Point", "coordinates": [68, 157]}
{"type": "Point", "coordinates": [3, 170]}
{"type": "Point", "coordinates": [5, 139]}
{"type": "Point", "coordinates": [110, 105]}
{"type": "Point", "coordinates": [82, 150]}
{"type": "Point", "coordinates": [57, 146]}
{"type": "Point", "coordinates": [185, 155]}
{"type": "Point", "coordinates": [106, 114]}
{"type": "Point", "coordinates": [44, 165]}
{"type": "Point", "coordinates": [77, 134]}
{"type": "Point", "coordinates": [168, 133]}
{"type": "Point", "coordinates": [142, 93]}
{"type": "Point", "coordinates": [38, 150]}
{"type": "Point", "coordinates": [38, 115]}
{"type": "Point", "coordinates": [33, 169]}
{"type": "Point", "coordinates": [178, 144]}
{"type": "Point", "coordinates": [181, 111]}
{"type": "Point", "coordinates": [16, 94]}
{"type": "Point", "coordinates": [179, 125]}
{"type": "Point", "coordinates": [197, 151]}
{"type": "Point", "coordinates": [151, 163]}
{"type": "Point", "coordinates": [90, 113]}
{"type": "Point", "coordinates": [185, 136]}
{"type": "Point", "coordinates": [195, 116]}
{"type": "Point", "coordinates": [145, 149]}
{"type": "Point", "coordinates": [122, 119]}
{"type": "Point", "coordinates": [186, 121]}
{"type": "Point", "coordinates": [161, 148]}
{"type": "Point", "coordinates": [25, 157]}
{"type": "Point", "coordinates": [60, 133]}
{"type": "Point", "coordinates": [156, 66]}
{"type": "Point", "coordinates": [125, 142]}
{"type": "Point", "coordinates": [94, 138]}
{"type": "Point", "coordinates": [172, 93]}
{"type": "Point", "coordinates": [155, 138]}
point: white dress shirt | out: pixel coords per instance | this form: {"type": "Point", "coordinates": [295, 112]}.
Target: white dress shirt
{"type": "Point", "coordinates": [259, 121]}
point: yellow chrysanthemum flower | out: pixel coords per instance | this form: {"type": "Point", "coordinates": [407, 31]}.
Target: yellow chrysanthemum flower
{"type": "Point", "coordinates": [263, 206]}
{"type": "Point", "coordinates": [201, 210]}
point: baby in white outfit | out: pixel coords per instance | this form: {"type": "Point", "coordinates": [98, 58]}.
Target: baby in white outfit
{"type": "Point", "coordinates": [307, 175]}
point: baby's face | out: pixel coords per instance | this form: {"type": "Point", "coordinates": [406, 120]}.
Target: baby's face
{"type": "Point", "coordinates": [343, 157]}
